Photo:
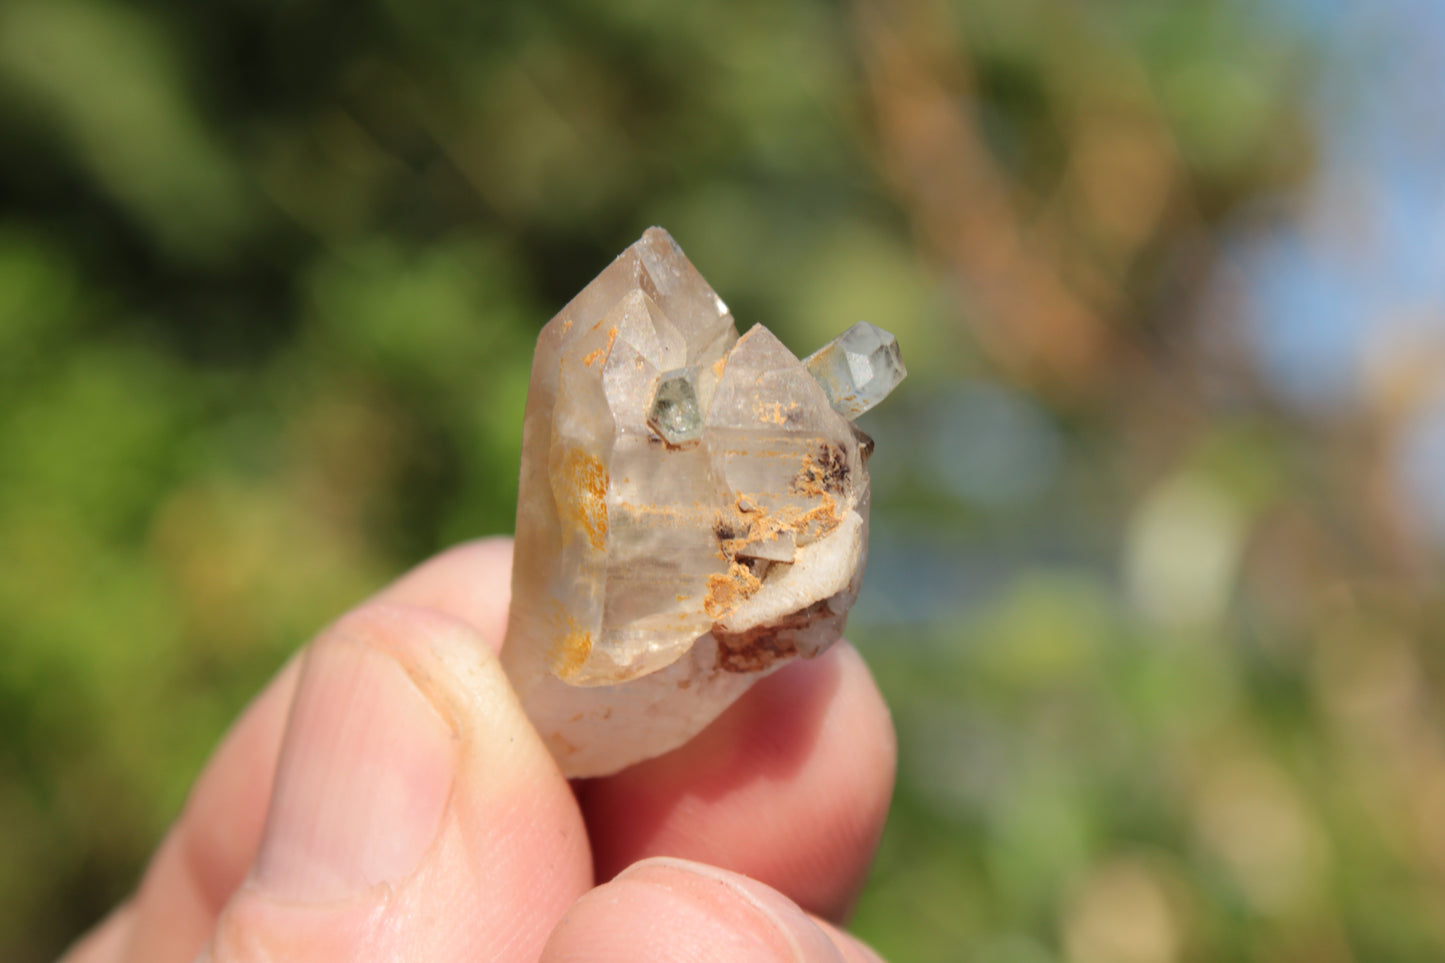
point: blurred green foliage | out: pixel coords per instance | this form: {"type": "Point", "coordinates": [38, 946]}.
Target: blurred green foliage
{"type": "Point", "coordinates": [269, 279]}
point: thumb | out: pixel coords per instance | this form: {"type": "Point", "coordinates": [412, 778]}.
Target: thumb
{"type": "Point", "coordinates": [415, 814]}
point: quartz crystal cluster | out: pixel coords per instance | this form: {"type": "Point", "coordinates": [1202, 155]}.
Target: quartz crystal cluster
{"type": "Point", "coordinates": [692, 513]}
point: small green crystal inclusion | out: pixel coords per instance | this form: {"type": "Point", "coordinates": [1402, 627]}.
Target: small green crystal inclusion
{"type": "Point", "coordinates": [675, 413]}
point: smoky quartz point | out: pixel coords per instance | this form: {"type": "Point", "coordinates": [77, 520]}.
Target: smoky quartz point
{"type": "Point", "coordinates": [692, 511]}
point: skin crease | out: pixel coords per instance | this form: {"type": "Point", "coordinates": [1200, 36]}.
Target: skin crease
{"type": "Point", "coordinates": [745, 844]}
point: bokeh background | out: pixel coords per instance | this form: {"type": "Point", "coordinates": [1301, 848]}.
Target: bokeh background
{"type": "Point", "coordinates": [1155, 585]}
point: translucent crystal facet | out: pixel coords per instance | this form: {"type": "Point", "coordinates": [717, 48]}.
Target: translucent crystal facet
{"type": "Point", "coordinates": [675, 413]}
{"type": "Point", "coordinates": [858, 369]}
{"type": "Point", "coordinates": [692, 511]}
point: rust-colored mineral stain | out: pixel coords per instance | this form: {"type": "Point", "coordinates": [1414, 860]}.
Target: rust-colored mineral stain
{"type": "Point", "coordinates": [725, 591]}
{"type": "Point", "coordinates": [748, 523]}
{"type": "Point", "coordinates": [758, 648]}
{"type": "Point", "coordinates": [585, 495]}
{"type": "Point", "coordinates": [602, 352]}
{"type": "Point", "coordinates": [826, 473]}
{"type": "Point", "coordinates": [755, 650]}
{"type": "Point", "coordinates": [775, 413]}
{"type": "Point", "coordinates": [570, 652]}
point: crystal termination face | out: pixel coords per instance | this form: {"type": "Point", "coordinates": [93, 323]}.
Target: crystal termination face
{"type": "Point", "coordinates": [858, 369]}
{"type": "Point", "coordinates": [692, 511]}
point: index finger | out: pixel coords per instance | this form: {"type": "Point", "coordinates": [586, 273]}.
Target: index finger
{"type": "Point", "coordinates": [790, 786]}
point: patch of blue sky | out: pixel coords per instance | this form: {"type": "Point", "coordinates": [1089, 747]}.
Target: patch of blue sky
{"type": "Point", "coordinates": [1358, 265]}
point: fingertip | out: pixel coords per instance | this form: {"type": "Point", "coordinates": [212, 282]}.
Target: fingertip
{"type": "Point", "coordinates": [365, 772]}
{"type": "Point", "coordinates": [671, 909]}
{"type": "Point", "coordinates": [461, 596]}
{"type": "Point", "coordinates": [790, 786]}
{"type": "Point", "coordinates": [416, 813]}
{"type": "Point", "coordinates": [471, 581]}
{"type": "Point", "coordinates": [852, 949]}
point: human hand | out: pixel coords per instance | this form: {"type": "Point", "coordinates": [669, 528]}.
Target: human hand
{"type": "Point", "coordinates": [384, 798]}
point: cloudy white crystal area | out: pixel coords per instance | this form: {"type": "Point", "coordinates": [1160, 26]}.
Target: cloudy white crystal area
{"type": "Point", "coordinates": [692, 512]}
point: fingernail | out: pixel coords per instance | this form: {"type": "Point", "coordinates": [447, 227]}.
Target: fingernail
{"type": "Point", "coordinates": [366, 767]}
{"type": "Point", "coordinates": [749, 901]}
